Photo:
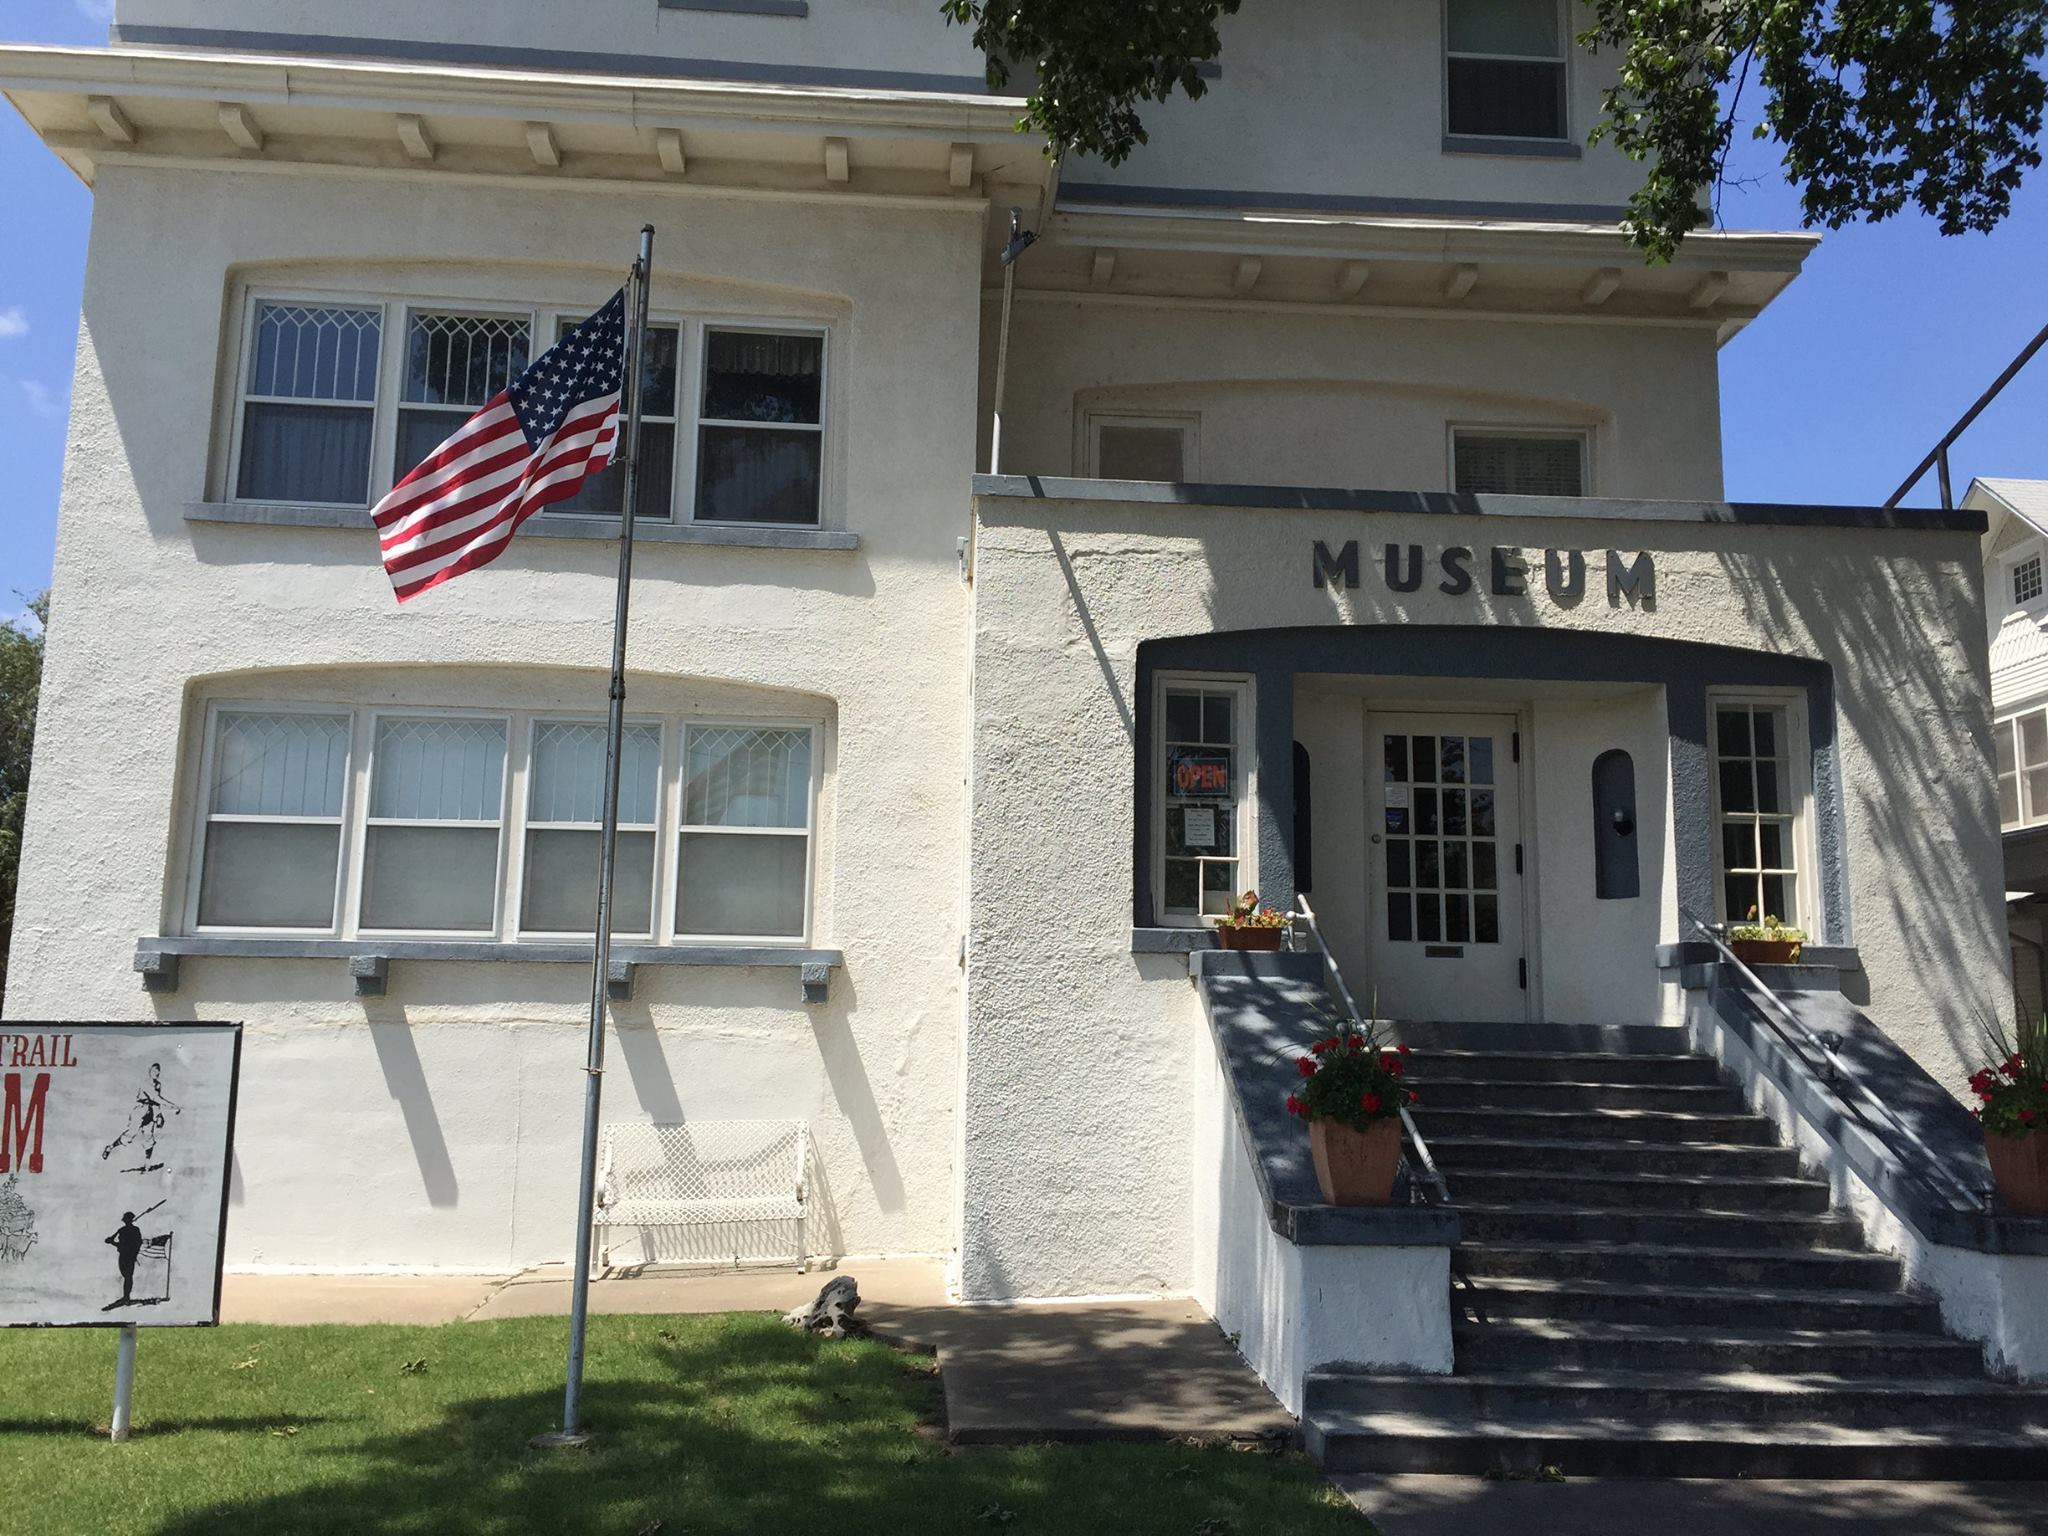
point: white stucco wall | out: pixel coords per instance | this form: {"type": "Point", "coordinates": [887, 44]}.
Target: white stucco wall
{"type": "Point", "coordinates": [436, 1125]}
{"type": "Point", "coordinates": [1069, 1039]}
{"type": "Point", "coordinates": [1288, 398]}
{"type": "Point", "coordinates": [1332, 98]}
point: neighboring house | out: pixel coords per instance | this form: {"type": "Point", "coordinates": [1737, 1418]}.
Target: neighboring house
{"type": "Point", "coordinates": [2016, 611]}
{"type": "Point", "coordinates": [1358, 536]}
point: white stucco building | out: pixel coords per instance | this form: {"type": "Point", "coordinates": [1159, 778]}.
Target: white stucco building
{"type": "Point", "coordinates": [1358, 532]}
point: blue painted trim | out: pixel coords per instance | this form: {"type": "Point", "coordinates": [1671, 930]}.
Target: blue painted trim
{"type": "Point", "coordinates": [487, 56]}
{"type": "Point", "coordinates": [1090, 194]}
{"type": "Point", "coordinates": [1317, 498]}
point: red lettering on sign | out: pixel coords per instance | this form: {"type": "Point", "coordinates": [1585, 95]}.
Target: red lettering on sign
{"type": "Point", "coordinates": [21, 1130]}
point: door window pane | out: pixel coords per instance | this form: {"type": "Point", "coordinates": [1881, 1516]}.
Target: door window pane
{"type": "Point", "coordinates": [309, 404]}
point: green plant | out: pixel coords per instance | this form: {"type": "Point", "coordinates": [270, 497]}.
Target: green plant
{"type": "Point", "coordinates": [1245, 912]}
{"type": "Point", "coordinates": [1351, 1079]}
{"type": "Point", "coordinates": [2014, 1094]}
{"type": "Point", "coordinates": [1769, 931]}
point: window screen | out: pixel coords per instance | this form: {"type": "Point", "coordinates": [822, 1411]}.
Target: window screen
{"type": "Point", "coordinates": [1503, 464]}
{"type": "Point", "coordinates": [1505, 68]}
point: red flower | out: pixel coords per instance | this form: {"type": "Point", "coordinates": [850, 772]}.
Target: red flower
{"type": "Point", "coordinates": [1357, 1042]}
{"type": "Point", "coordinates": [1414, 1097]}
{"type": "Point", "coordinates": [1387, 1060]}
{"type": "Point", "coordinates": [1323, 1047]}
{"type": "Point", "coordinates": [1307, 1066]}
{"type": "Point", "coordinates": [1294, 1104]}
{"type": "Point", "coordinates": [1404, 1049]}
{"type": "Point", "coordinates": [2027, 1116]}
{"type": "Point", "coordinates": [1370, 1103]}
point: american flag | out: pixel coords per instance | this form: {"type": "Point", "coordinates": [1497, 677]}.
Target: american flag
{"type": "Point", "coordinates": [534, 443]}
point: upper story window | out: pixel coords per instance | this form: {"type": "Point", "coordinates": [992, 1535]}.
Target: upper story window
{"type": "Point", "coordinates": [1761, 794]}
{"type": "Point", "coordinates": [328, 414]}
{"type": "Point", "coordinates": [2026, 580]}
{"type": "Point", "coordinates": [1518, 463]}
{"type": "Point", "coordinates": [1504, 69]}
{"type": "Point", "coordinates": [1141, 447]}
{"type": "Point", "coordinates": [2022, 746]}
{"type": "Point", "coordinates": [358, 821]}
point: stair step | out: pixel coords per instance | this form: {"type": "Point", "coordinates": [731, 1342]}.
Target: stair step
{"type": "Point", "coordinates": [1639, 1191]}
{"type": "Point", "coordinates": [1555, 1345]}
{"type": "Point", "coordinates": [1471, 1443]}
{"type": "Point", "coordinates": [1532, 1223]}
{"type": "Point", "coordinates": [1655, 1263]}
{"type": "Point", "coordinates": [1497, 1298]}
{"type": "Point", "coordinates": [1744, 1129]}
{"type": "Point", "coordinates": [1479, 1093]}
{"type": "Point", "coordinates": [1564, 1067]}
{"type": "Point", "coordinates": [1627, 1039]}
{"type": "Point", "coordinates": [1678, 1159]}
{"type": "Point", "coordinates": [1624, 1402]}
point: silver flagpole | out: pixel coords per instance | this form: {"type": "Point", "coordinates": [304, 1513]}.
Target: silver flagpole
{"type": "Point", "coordinates": [572, 1432]}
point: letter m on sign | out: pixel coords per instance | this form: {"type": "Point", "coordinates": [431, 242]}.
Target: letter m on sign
{"type": "Point", "coordinates": [1340, 569]}
{"type": "Point", "coordinates": [21, 1127]}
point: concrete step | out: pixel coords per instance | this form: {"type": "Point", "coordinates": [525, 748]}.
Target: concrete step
{"type": "Point", "coordinates": [1562, 1067]}
{"type": "Point", "coordinates": [1476, 1093]}
{"type": "Point", "coordinates": [1628, 1039]}
{"type": "Point", "coordinates": [1551, 1345]}
{"type": "Point", "coordinates": [1660, 1263]}
{"type": "Point", "coordinates": [1559, 1223]}
{"type": "Point", "coordinates": [1626, 1401]}
{"type": "Point", "coordinates": [1498, 1298]}
{"type": "Point", "coordinates": [1472, 1443]}
{"type": "Point", "coordinates": [1675, 1159]}
{"type": "Point", "coordinates": [1638, 1191]}
{"type": "Point", "coordinates": [1744, 1128]}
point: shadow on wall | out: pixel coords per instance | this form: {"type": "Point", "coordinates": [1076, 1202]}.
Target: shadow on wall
{"type": "Point", "coordinates": [1946, 918]}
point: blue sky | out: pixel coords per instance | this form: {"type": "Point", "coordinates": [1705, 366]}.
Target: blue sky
{"type": "Point", "coordinates": [1833, 395]}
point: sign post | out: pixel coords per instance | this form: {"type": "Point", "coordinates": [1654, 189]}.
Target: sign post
{"type": "Point", "coordinates": [114, 1148]}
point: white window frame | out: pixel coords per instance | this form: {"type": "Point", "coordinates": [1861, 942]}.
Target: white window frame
{"type": "Point", "coordinates": [2030, 814]}
{"type": "Point", "coordinates": [543, 319]}
{"type": "Point", "coordinates": [1245, 748]}
{"type": "Point", "coordinates": [701, 373]}
{"type": "Point", "coordinates": [209, 767]}
{"type": "Point", "coordinates": [1563, 58]}
{"type": "Point", "coordinates": [2013, 563]}
{"type": "Point", "coordinates": [1583, 436]}
{"type": "Point", "coordinates": [1791, 705]}
{"type": "Point", "coordinates": [1188, 423]}
{"type": "Point", "coordinates": [670, 914]}
{"type": "Point", "coordinates": [523, 798]}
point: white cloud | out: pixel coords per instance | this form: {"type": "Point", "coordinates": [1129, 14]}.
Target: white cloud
{"type": "Point", "coordinates": [13, 323]}
{"type": "Point", "coordinates": [95, 10]}
{"type": "Point", "coordinates": [43, 400]}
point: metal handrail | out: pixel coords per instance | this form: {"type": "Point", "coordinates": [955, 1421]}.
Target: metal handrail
{"type": "Point", "coordinates": [1791, 1029]}
{"type": "Point", "coordinates": [1938, 455]}
{"type": "Point", "coordinates": [1307, 917]}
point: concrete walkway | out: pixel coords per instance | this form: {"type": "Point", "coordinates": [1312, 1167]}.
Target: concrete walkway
{"type": "Point", "coordinates": [1470, 1506]}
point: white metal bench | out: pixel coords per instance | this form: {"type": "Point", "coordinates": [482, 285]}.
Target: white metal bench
{"type": "Point", "coordinates": [744, 1176]}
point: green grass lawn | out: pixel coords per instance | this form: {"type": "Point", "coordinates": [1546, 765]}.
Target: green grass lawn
{"type": "Point", "coordinates": [731, 1423]}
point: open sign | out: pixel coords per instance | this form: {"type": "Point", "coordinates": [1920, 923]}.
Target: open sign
{"type": "Point", "coordinates": [1197, 772]}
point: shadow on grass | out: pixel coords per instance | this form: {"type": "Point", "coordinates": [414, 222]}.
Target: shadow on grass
{"type": "Point", "coordinates": [754, 1429]}
{"type": "Point", "coordinates": [68, 1428]}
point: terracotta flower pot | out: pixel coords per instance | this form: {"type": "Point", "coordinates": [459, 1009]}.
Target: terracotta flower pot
{"type": "Point", "coordinates": [1228, 937]}
{"type": "Point", "coordinates": [1766, 951]}
{"type": "Point", "coordinates": [2019, 1167]}
{"type": "Point", "coordinates": [1356, 1167]}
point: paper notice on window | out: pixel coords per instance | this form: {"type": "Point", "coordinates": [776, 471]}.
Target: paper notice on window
{"type": "Point", "coordinates": [1397, 797]}
{"type": "Point", "coordinates": [1198, 826]}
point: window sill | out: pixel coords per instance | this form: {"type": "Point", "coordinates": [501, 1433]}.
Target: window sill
{"type": "Point", "coordinates": [796, 8]}
{"type": "Point", "coordinates": [369, 960]}
{"type": "Point", "coordinates": [553, 526]}
{"type": "Point", "coordinates": [1540, 149]}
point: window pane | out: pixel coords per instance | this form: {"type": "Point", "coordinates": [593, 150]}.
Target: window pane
{"type": "Point", "coordinates": [1425, 758]}
{"type": "Point", "coordinates": [1486, 919]}
{"type": "Point", "coordinates": [1216, 719]}
{"type": "Point", "coordinates": [279, 765]}
{"type": "Point", "coordinates": [1400, 917]}
{"type": "Point", "coordinates": [1183, 886]}
{"type": "Point", "coordinates": [1428, 865]}
{"type": "Point", "coordinates": [1219, 887]}
{"type": "Point", "coordinates": [462, 359]}
{"type": "Point", "coordinates": [1765, 722]}
{"type": "Point", "coordinates": [305, 453]}
{"type": "Point", "coordinates": [567, 777]}
{"type": "Point", "coordinates": [2001, 740]}
{"type": "Point", "coordinates": [1776, 839]}
{"type": "Point", "coordinates": [762, 376]}
{"type": "Point", "coordinates": [605, 491]}
{"type": "Point", "coordinates": [1429, 918]}
{"type": "Point", "coordinates": [737, 777]}
{"type": "Point", "coordinates": [1482, 760]}
{"type": "Point", "coordinates": [1523, 27]}
{"type": "Point", "coordinates": [2026, 580]}
{"type": "Point", "coordinates": [1482, 813]}
{"type": "Point", "coordinates": [2008, 800]}
{"type": "Point", "coordinates": [2034, 739]}
{"type": "Point", "coordinates": [1453, 759]}
{"type": "Point", "coordinates": [1425, 812]}
{"type": "Point", "coordinates": [1483, 869]}
{"type": "Point", "coordinates": [1454, 813]}
{"type": "Point", "coordinates": [754, 476]}
{"type": "Point", "coordinates": [1140, 453]}
{"type": "Point", "coordinates": [561, 882]}
{"type": "Point", "coordinates": [1738, 844]}
{"type": "Point", "coordinates": [1394, 755]}
{"type": "Point", "coordinates": [1771, 791]}
{"type": "Point", "coordinates": [1739, 894]}
{"type": "Point", "coordinates": [1215, 827]}
{"type": "Point", "coordinates": [2037, 791]}
{"type": "Point", "coordinates": [420, 433]}
{"type": "Point", "coordinates": [1737, 791]}
{"type": "Point", "coordinates": [439, 879]}
{"type": "Point", "coordinates": [1777, 899]}
{"type": "Point", "coordinates": [1454, 867]}
{"type": "Point", "coordinates": [1183, 717]}
{"type": "Point", "coordinates": [1457, 920]}
{"type": "Point", "coordinates": [1397, 861]}
{"type": "Point", "coordinates": [1732, 730]}
{"type": "Point", "coordinates": [1497, 98]}
{"type": "Point", "coordinates": [307, 353]}
{"type": "Point", "coordinates": [438, 770]}
{"type": "Point", "coordinates": [657, 367]}
{"type": "Point", "coordinates": [269, 875]}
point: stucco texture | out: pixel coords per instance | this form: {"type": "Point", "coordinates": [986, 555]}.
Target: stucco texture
{"type": "Point", "coordinates": [435, 1126]}
{"type": "Point", "coordinates": [1076, 1079]}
